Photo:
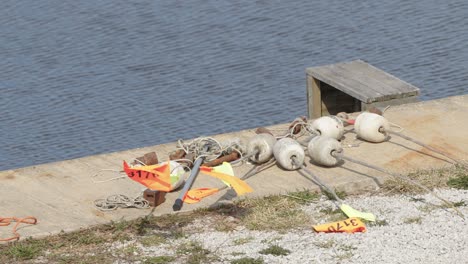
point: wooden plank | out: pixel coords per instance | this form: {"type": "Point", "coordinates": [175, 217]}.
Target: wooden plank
{"type": "Point", "coordinates": [317, 74]}
{"type": "Point", "coordinates": [314, 98]}
{"type": "Point", "coordinates": [381, 91]}
{"type": "Point", "coordinates": [383, 77]}
{"type": "Point", "coordinates": [350, 86]}
{"type": "Point", "coordinates": [332, 76]}
{"type": "Point", "coordinates": [363, 81]}
{"type": "Point", "coordinates": [384, 90]}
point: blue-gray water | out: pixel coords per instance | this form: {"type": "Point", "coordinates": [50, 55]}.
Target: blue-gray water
{"type": "Point", "coordinates": [92, 76]}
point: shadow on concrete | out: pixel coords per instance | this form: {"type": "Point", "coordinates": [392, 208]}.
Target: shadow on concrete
{"type": "Point", "coordinates": [341, 162]}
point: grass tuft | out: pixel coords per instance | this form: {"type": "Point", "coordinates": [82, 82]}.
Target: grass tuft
{"type": "Point", "coordinates": [28, 249]}
{"type": "Point", "coordinates": [304, 197]}
{"type": "Point", "coordinates": [243, 240]}
{"type": "Point", "coordinates": [152, 240]}
{"type": "Point", "coordinates": [341, 194]}
{"type": "Point", "coordinates": [413, 220]}
{"type": "Point", "coordinates": [83, 238]}
{"type": "Point", "coordinates": [158, 260]}
{"type": "Point", "coordinates": [377, 223]}
{"type": "Point", "coordinates": [195, 252]}
{"type": "Point", "coordinates": [333, 215]}
{"type": "Point", "coordinates": [460, 182]}
{"type": "Point", "coordinates": [325, 244]}
{"type": "Point", "coordinates": [247, 260]}
{"type": "Point", "coordinates": [275, 250]}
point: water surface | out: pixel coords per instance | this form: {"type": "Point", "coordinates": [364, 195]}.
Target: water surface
{"type": "Point", "coordinates": [86, 77]}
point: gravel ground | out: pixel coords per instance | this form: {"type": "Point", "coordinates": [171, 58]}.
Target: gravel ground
{"type": "Point", "coordinates": [408, 230]}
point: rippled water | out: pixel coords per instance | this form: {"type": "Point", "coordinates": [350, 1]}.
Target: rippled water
{"type": "Point", "coordinates": [86, 77]}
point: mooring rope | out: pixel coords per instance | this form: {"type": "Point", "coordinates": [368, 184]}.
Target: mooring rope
{"type": "Point", "coordinates": [8, 220]}
{"type": "Point", "coordinates": [100, 171]}
{"type": "Point", "coordinates": [115, 201]}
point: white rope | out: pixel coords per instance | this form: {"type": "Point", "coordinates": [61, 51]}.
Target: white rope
{"type": "Point", "coordinates": [216, 149]}
{"type": "Point", "coordinates": [115, 201]}
{"type": "Point", "coordinates": [107, 180]}
{"type": "Point", "coordinates": [396, 125]}
{"type": "Point", "coordinates": [141, 162]}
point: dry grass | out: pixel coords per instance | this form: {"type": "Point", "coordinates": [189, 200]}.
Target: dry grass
{"type": "Point", "coordinates": [91, 245]}
{"type": "Point", "coordinates": [278, 213]}
{"type": "Point", "coordinates": [434, 178]}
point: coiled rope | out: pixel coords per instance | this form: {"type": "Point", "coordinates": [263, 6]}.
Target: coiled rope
{"type": "Point", "coordinates": [8, 220]}
{"type": "Point", "coordinates": [215, 150]}
{"type": "Point", "coordinates": [115, 201]}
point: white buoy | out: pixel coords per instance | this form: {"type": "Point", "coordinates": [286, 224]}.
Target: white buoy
{"type": "Point", "coordinates": [320, 150]}
{"type": "Point", "coordinates": [260, 147]}
{"type": "Point", "coordinates": [286, 149]}
{"type": "Point", "coordinates": [372, 127]}
{"type": "Point", "coordinates": [328, 126]}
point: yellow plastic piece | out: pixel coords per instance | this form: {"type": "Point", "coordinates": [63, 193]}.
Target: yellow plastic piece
{"type": "Point", "coordinates": [353, 213]}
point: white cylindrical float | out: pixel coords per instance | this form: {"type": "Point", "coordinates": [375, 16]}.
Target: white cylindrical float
{"type": "Point", "coordinates": [372, 127]}
{"type": "Point", "coordinates": [260, 147]}
{"type": "Point", "coordinates": [320, 150]}
{"type": "Point", "coordinates": [328, 126]}
{"type": "Point", "coordinates": [285, 150]}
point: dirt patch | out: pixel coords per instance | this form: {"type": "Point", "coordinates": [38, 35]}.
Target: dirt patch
{"type": "Point", "coordinates": [8, 176]}
{"type": "Point", "coordinates": [413, 157]}
{"type": "Point", "coordinates": [46, 175]}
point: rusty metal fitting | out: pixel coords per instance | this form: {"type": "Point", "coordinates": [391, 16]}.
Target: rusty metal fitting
{"type": "Point", "coordinates": [297, 129]}
{"type": "Point", "coordinates": [226, 158]}
{"type": "Point", "coordinates": [263, 130]}
{"type": "Point", "coordinates": [150, 158]}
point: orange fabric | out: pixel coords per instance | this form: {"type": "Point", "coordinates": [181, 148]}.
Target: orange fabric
{"type": "Point", "coordinates": [351, 225]}
{"type": "Point", "coordinates": [195, 195]}
{"type": "Point", "coordinates": [237, 184]}
{"type": "Point", "coordinates": [7, 221]}
{"type": "Point", "coordinates": [154, 177]}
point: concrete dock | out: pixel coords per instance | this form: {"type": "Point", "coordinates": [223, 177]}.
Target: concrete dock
{"type": "Point", "coordinates": [61, 194]}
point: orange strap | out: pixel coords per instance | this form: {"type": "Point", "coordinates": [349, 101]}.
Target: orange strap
{"type": "Point", "coordinates": [7, 221]}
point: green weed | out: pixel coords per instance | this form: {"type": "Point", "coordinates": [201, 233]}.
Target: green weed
{"type": "Point", "coordinates": [275, 250]}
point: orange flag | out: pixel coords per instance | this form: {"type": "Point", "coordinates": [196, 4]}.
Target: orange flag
{"type": "Point", "coordinates": [351, 225]}
{"type": "Point", "coordinates": [154, 177]}
{"type": "Point", "coordinates": [237, 184]}
{"type": "Point", "coordinates": [195, 195]}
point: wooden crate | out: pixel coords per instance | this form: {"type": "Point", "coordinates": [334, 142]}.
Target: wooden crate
{"type": "Point", "coordinates": [354, 86]}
